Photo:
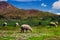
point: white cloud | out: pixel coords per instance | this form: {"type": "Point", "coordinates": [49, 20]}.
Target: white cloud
{"type": "Point", "coordinates": [3, 0]}
{"type": "Point", "coordinates": [56, 5]}
{"type": "Point", "coordinates": [44, 5]}
{"type": "Point", "coordinates": [58, 13]}
{"type": "Point", "coordinates": [26, 0]}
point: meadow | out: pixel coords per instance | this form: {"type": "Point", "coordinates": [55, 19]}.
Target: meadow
{"type": "Point", "coordinates": [39, 33]}
{"type": "Point", "coordinates": [39, 21]}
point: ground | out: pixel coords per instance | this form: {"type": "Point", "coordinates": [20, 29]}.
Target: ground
{"type": "Point", "coordinates": [39, 33]}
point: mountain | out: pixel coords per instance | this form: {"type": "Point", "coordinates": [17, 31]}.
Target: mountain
{"type": "Point", "coordinates": [4, 6]}
{"type": "Point", "coordinates": [8, 11]}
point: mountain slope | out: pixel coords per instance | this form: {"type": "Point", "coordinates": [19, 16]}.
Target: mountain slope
{"type": "Point", "coordinates": [10, 12]}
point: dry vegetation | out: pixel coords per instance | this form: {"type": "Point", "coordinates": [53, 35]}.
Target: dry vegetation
{"type": "Point", "coordinates": [39, 33]}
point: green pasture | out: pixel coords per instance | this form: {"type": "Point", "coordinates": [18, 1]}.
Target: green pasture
{"type": "Point", "coordinates": [39, 33]}
{"type": "Point", "coordinates": [34, 22]}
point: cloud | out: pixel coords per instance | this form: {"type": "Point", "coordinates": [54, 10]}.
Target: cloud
{"type": "Point", "coordinates": [58, 13]}
{"type": "Point", "coordinates": [56, 5]}
{"type": "Point", "coordinates": [44, 5]}
{"type": "Point", "coordinates": [51, 11]}
{"type": "Point", "coordinates": [26, 0]}
{"type": "Point", "coordinates": [3, 0]}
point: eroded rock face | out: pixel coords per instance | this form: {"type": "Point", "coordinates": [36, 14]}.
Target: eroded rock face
{"type": "Point", "coordinates": [5, 5]}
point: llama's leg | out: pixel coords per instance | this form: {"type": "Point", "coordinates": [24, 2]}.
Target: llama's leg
{"type": "Point", "coordinates": [26, 30]}
{"type": "Point", "coordinates": [22, 29]}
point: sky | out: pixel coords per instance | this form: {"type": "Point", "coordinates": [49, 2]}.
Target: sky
{"type": "Point", "coordinates": [52, 6]}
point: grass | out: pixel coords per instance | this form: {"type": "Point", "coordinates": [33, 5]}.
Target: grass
{"type": "Point", "coordinates": [39, 33]}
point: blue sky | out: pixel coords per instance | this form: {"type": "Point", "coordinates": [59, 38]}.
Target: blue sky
{"type": "Point", "coordinates": [43, 5]}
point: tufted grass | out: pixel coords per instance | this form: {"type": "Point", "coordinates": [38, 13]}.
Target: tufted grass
{"type": "Point", "coordinates": [39, 33]}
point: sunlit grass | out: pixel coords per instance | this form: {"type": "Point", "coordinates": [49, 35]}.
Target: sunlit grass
{"type": "Point", "coordinates": [39, 33]}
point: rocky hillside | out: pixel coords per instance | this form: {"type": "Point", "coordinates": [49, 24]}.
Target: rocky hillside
{"type": "Point", "coordinates": [8, 11]}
